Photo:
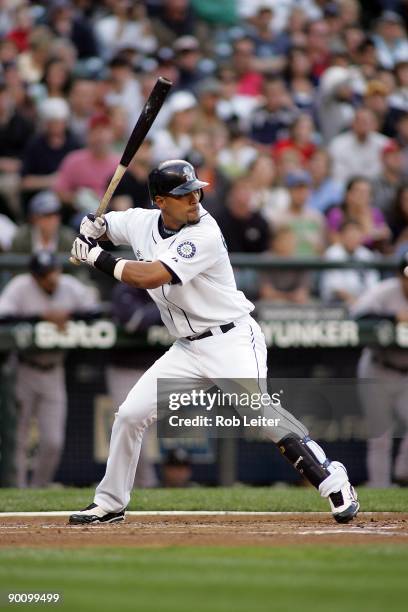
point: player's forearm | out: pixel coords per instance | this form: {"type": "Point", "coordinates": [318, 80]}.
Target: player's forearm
{"type": "Point", "coordinates": [145, 275]}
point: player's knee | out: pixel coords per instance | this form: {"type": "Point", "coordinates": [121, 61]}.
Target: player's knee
{"type": "Point", "coordinates": [127, 416]}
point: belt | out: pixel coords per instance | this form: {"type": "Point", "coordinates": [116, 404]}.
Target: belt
{"type": "Point", "coordinates": [224, 328]}
{"type": "Point", "coordinates": [390, 366]}
{"type": "Point", "coordinates": [42, 367]}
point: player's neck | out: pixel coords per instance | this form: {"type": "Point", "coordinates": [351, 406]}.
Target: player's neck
{"type": "Point", "coordinates": [165, 231]}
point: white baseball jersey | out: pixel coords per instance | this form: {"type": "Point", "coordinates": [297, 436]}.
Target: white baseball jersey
{"type": "Point", "coordinates": [207, 294]}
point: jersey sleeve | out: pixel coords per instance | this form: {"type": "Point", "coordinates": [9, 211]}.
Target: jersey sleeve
{"type": "Point", "coordinates": [10, 298]}
{"type": "Point", "coordinates": [121, 224]}
{"type": "Point", "coordinates": [189, 255]}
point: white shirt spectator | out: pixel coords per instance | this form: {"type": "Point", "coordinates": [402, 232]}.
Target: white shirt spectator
{"type": "Point", "coordinates": [352, 157]}
{"type": "Point", "coordinates": [114, 35]}
{"type": "Point", "coordinates": [354, 282]}
{"type": "Point", "coordinates": [7, 232]}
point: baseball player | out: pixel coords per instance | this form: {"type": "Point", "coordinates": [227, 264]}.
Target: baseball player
{"type": "Point", "coordinates": [43, 294]}
{"type": "Point", "coordinates": [385, 403]}
{"type": "Point", "coordinates": [184, 265]}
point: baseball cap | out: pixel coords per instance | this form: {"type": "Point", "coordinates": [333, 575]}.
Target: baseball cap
{"type": "Point", "coordinates": [390, 16]}
{"type": "Point", "coordinates": [297, 179]}
{"type": "Point", "coordinates": [181, 101]}
{"type": "Point", "coordinates": [186, 43]}
{"type": "Point", "coordinates": [43, 262]}
{"type": "Point", "coordinates": [208, 86]}
{"type": "Point", "coordinates": [54, 109]}
{"type": "Point", "coordinates": [44, 203]}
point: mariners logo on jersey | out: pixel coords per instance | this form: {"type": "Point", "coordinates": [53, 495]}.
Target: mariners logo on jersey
{"type": "Point", "coordinates": [186, 249]}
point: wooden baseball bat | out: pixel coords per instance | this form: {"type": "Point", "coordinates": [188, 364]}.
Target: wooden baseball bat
{"type": "Point", "coordinates": [144, 123]}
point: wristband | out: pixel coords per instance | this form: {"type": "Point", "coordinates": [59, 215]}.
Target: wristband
{"type": "Point", "coordinates": [118, 270]}
{"type": "Point", "coordinates": [105, 262]}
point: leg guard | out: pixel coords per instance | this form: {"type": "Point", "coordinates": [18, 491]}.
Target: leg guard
{"type": "Point", "coordinates": [313, 465]}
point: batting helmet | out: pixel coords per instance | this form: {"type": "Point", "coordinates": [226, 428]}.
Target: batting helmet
{"type": "Point", "coordinates": [175, 177]}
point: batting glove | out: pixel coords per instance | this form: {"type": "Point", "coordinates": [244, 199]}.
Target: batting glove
{"type": "Point", "coordinates": [86, 250]}
{"type": "Point", "coordinates": [93, 227]}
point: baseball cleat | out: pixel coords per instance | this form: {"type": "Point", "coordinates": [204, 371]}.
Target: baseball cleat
{"type": "Point", "coordinates": [95, 514]}
{"type": "Point", "coordinates": [344, 504]}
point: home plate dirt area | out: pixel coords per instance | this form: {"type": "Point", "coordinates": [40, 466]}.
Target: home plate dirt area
{"type": "Point", "coordinates": [277, 529]}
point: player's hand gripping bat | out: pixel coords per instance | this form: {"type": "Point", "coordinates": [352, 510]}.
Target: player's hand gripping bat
{"type": "Point", "coordinates": [144, 123]}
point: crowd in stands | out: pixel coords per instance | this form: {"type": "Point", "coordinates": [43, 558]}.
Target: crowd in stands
{"type": "Point", "coordinates": [294, 111]}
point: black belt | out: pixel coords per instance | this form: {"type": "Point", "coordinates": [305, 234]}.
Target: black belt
{"type": "Point", "coordinates": [390, 366]}
{"type": "Point", "coordinates": [42, 367]}
{"type": "Point", "coordinates": [224, 328]}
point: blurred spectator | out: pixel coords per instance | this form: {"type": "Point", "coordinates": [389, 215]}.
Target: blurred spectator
{"type": "Point", "coordinates": [402, 138]}
{"type": "Point", "coordinates": [234, 107]}
{"type": "Point", "coordinates": [306, 223]}
{"type": "Point", "coordinates": [187, 61]}
{"type": "Point", "coordinates": [15, 131]}
{"type": "Point", "coordinates": [31, 63]}
{"type": "Point", "coordinates": [237, 155]}
{"type": "Point", "coordinates": [55, 83]}
{"type": "Point", "coordinates": [132, 191]}
{"type": "Point", "coordinates": [359, 150]}
{"type": "Point", "coordinates": [176, 469]}
{"type": "Point", "coordinates": [376, 100]}
{"type": "Point", "coordinates": [83, 175]}
{"type": "Point", "coordinates": [8, 230]}
{"type": "Point", "coordinates": [335, 102]}
{"type": "Point", "coordinates": [357, 207]}
{"type": "Point", "coordinates": [82, 101]}
{"type": "Point", "coordinates": [244, 229]}
{"type": "Point", "coordinates": [318, 46]}
{"type": "Point", "coordinates": [124, 89]}
{"type": "Point", "coordinates": [23, 23]}
{"type": "Point", "coordinates": [269, 197]}
{"type": "Point", "coordinates": [272, 120]}
{"type": "Point", "coordinates": [325, 191]}
{"type": "Point", "coordinates": [203, 156]}
{"type": "Point", "coordinates": [345, 286]}
{"type": "Point", "coordinates": [284, 286]}
{"type": "Point", "coordinates": [47, 148]}
{"type": "Point", "coordinates": [43, 294]}
{"type": "Point", "coordinates": [207, 117]}
{"type": "Point", "coordinates": [126, 27]}
{"type": "Point", "coordinates": [301, 138]}
{"type": "Point", "coordinates": [298, 79]}
{"type": "Point", "coordinates": [390, 39]}
{"type": "Point", "coordinates": [249, 79]}
{"type": "Point", "coordinates": [175, 19]}
{"type": "Point", "coordinates": [135, 311]}
{"type": "Point", "coordinates": [385, 405]}
{"type": "Point", "coordinates": [270, 48]}
{"type": "Point", "coordinates": [386, 185]}
{"type": "Point", "coordinates": [175, 141]}
{"type": "Point", "coordinates": [43, 230]}
{"type": "Point", "coordinates": [67, 23]}
{"type": "Point", "coordinates": [399, 218]}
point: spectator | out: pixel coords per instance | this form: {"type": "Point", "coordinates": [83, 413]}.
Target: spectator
{"type": "Point", "coordinates": [175, 141]}
{"type": "Point", "coordinates": [207, 117]}
{"type": "Point", "coordinates": [325, 191]}
{"type": "Point", "coordinates": [67, 23]}
{"type": "Point", "coordinates": [187, 62]}
{"type": "Point", "coordinates": [284, 286]}
{"type": "Point", "coordinates": [175, 19]}
{"type": "Point", "coordinates": [345, 286]}
{"type": "Point", "coordinates": [301, 138]}
{"type": "Point", "coordinates": [385, 187]}
{"type": "Point", "coordinates": [249, 79]}
{"type": "Point", "coordinates": [318, 46]}
{"type": "Point", "coordinates": [269, 197]}
{"type": "Point", "coordinates": [47, 149]}
{"type": "Point", "coordinates": [44, 230]}
{"type": "Point", "coordinates": [390, 39]}
{"type": "Point", "coordinates": [399, 218]}
{"type": "Point", "coordinates": [31, 63]}
{"type": "Point", "coordinates": [176, 469]}
{"type": "Point", "coordinates": [306, 223]}
{"type": "Point", "coordinates": [82, 101]}
{"type": "Point", "coordinates": [272, 121]}
{"type": "Point", "coordinates": [359, 150]}
{"type": "Point", "coordinates": [132, 191]}
{"type": "Point", "coordinates": [299, 80]}
{"type": "Point", "coordinates": [43, 294]}
{"type": "Point", "coordinates": [15, 131]}
{"type": "Point", "coordinates": [244, 230]}
{"type": "Point", "coordinates": [23, 23]}
{"type": "Point", "coordinates": [126, 27]}
{"type": "Point", "coordinates": [385, 403]}
{"type": "Point", "coordinates": [237, 155]}
{"type": "Point", "coordinates": [233, 106]}
{"type": "Point", "coordinates": [124, 89]}
{"type": "Point", "coordinates": [83, 175]}
{"type": "Point", "coordinates": [270, 48]}
{"type": "Point", "coordinates": [357, 207]}
{"type": "Point", "coordinates": [335, 102]}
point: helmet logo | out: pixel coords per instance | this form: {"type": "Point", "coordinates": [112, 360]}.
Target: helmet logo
{"type": "Point", "coordinates": [188, 173]}
{"type": "Point", "coordinates": [186, 249]}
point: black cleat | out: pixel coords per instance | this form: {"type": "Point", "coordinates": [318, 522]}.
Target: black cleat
{"type": "Point", "coordinates": [95, 514]}
{"type": "Point", "coordinates": [344, 504]}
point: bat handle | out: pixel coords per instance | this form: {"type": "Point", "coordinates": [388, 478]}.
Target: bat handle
{"type": "Point", "coordinates": [74, 261]}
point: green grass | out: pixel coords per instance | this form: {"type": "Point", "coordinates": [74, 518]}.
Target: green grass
{"type": "Point", "coordinates": [318, 579]}
{"type": "Point", "coordinates": [234, 498]}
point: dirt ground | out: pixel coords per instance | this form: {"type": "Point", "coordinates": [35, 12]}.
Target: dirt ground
{"type": "Point", "coordinates": [201, 530]}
